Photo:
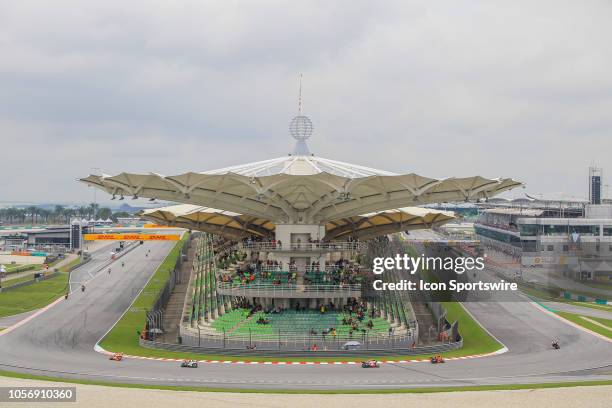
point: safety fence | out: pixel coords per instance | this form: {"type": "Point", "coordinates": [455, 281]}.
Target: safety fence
{"type": "Point", "coordinates": [327, 348]}
{"type": "Point", "coordinates": [289, 340]}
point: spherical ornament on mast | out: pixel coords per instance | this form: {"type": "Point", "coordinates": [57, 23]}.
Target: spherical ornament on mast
{"type": "Point", "coordinates": [300, 127]}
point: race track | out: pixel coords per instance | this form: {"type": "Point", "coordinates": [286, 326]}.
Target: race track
{"type": "Point", "coordinates": [60, 343]}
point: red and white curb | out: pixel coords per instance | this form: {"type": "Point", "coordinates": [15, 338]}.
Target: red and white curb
{"type": "Point", "coordinates": [101, 350]}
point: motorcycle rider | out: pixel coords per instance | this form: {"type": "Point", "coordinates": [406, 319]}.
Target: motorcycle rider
{"type": "Point", "coordinates": [82, 288]}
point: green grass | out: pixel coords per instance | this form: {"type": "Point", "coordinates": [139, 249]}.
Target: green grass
{"type": "Point", "coordinates": [539, 293]}
{"type": "Point", "coordinates": [423, 390]}
{"type": "Point", "coordinates": [575, 318]}
{"type": "Point", "coordinates": [545, 296]}
{"type": "Point", "coordinates": [11, 267]}
{"type": "Point", "coordinates": [33, 296]}
{"type": "Point", "coordinates": [70, 265]}
{"type": "Point", "coordinates": [600, 285]}
{"type": "Point", "coordinates": [12, 282]}
{"type": "Point", "coordinates": [587, 294]}
{"type": "Point", "coordinates": [553, 294]}
{"type": "Point", "coordinates": [475, 339]}
{"type": "Point", "coordinates": [605, 322]}
{"type": "Point", "coordinates": [605, 308]}
{"type": "Point", "coordinates": [22, 268]}
{"type": "Point", "coordinates": [123, 337]}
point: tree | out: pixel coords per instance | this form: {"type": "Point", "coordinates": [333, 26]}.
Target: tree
{"type": "Point", "coordinates": [93, 210]}
{"type": "Point", "coordinates": [104, 213]}
{"type": "Point", "coordinates": [20, 215]}
{"type": "Point", "coordinates": [44, 214]}
{"type": "Point", "coordinates": [58, 213]}
{"type": "Point", "coordinates": [69, 213]}
{"type": "Point", "coordinates": [82, 211]}
{"type": "Point", "coordinates": [32, 211]}
{"type": "Point", "coordinates": [120, 214]}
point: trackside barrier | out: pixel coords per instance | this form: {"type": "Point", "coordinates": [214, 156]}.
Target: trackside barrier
{"type": "Point", "coordinates": [292, 340]}
{"type": "Point", "coordinates": [581, 298]}
{"type": "Point", "coordinates": [259, 351]}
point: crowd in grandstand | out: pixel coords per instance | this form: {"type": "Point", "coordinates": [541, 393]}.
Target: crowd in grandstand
{"type": "Point", "coordinates": [357, 318]}
{"type": "Point", "coordinates": [255, 270]}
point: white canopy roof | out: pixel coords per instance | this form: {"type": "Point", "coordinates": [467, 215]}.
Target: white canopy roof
{"type": "Point", "coordinates": [305, 189]}
{"type": "Point", "coordinates": [209, 220]}
{"type": "Point", "coordinates": [236, 225]}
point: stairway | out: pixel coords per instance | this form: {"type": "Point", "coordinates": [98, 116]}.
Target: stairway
{"type": "Point", "coordinates": [174, 309]}
{"type": "Point", "coordinates": [425, 321]}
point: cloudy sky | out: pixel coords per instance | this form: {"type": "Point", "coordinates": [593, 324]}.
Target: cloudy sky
{"type": "Point", "coordinates": [517, 89]}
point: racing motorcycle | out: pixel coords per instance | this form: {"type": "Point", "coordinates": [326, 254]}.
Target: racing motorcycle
{"type": "Point", "coordinates": [436, 360]}
{"type": "Point", "coordinates": [116, 357]}
{"type": "Point", "coordinates": [189, 364]}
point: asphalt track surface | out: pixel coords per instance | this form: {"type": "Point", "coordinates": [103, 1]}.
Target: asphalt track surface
{"type": "Point", "coordinates": [60, 343]}
{"type": "Point", "coordinates": [584, 311]}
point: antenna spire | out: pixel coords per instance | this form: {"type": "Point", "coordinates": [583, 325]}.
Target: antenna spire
{"type": "Point", "coordinates": [300, 127]}
{"type": "Point", "coordinates": [300, 97]}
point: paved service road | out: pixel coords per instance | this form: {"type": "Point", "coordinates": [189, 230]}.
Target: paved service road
{"type": "Point", "coordinates": [581, 310]}
{"type": "Point", "coordinates": [60, 341]}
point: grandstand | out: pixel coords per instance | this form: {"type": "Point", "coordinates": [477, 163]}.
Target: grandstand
{"type": "Point", "coordinates": [309, 319]}
{"type": "Point", "coordinates": [284, 238]}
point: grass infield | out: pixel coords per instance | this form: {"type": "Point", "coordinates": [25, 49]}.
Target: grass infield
{"type": "Point", "coordinates": [123, 336]}
{"type": "Point", "coordinates": [70, 265]}
{"type": "Point", "coordinates": [33, 296]}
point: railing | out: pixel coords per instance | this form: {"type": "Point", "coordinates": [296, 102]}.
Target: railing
{"type": "Point", "coordinates": [303, 246]}
{"type": "Point", "coordinates": [285, 344]}
{"type": "Point", "coordinates": [288, 290]}
{"type": "Point", "coordinates": [327, 269]}
{"type": "Point", "coordinates": [287, 337]}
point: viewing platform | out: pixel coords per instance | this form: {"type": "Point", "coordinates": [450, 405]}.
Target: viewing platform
{"type": "Point", "coordinates": [304, 247]}
{"type": "Point", "coordinates": [289, 291]}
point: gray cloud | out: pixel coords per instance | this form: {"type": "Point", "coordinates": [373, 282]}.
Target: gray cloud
{"type": "Point", "coordinates": [516, 89]}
